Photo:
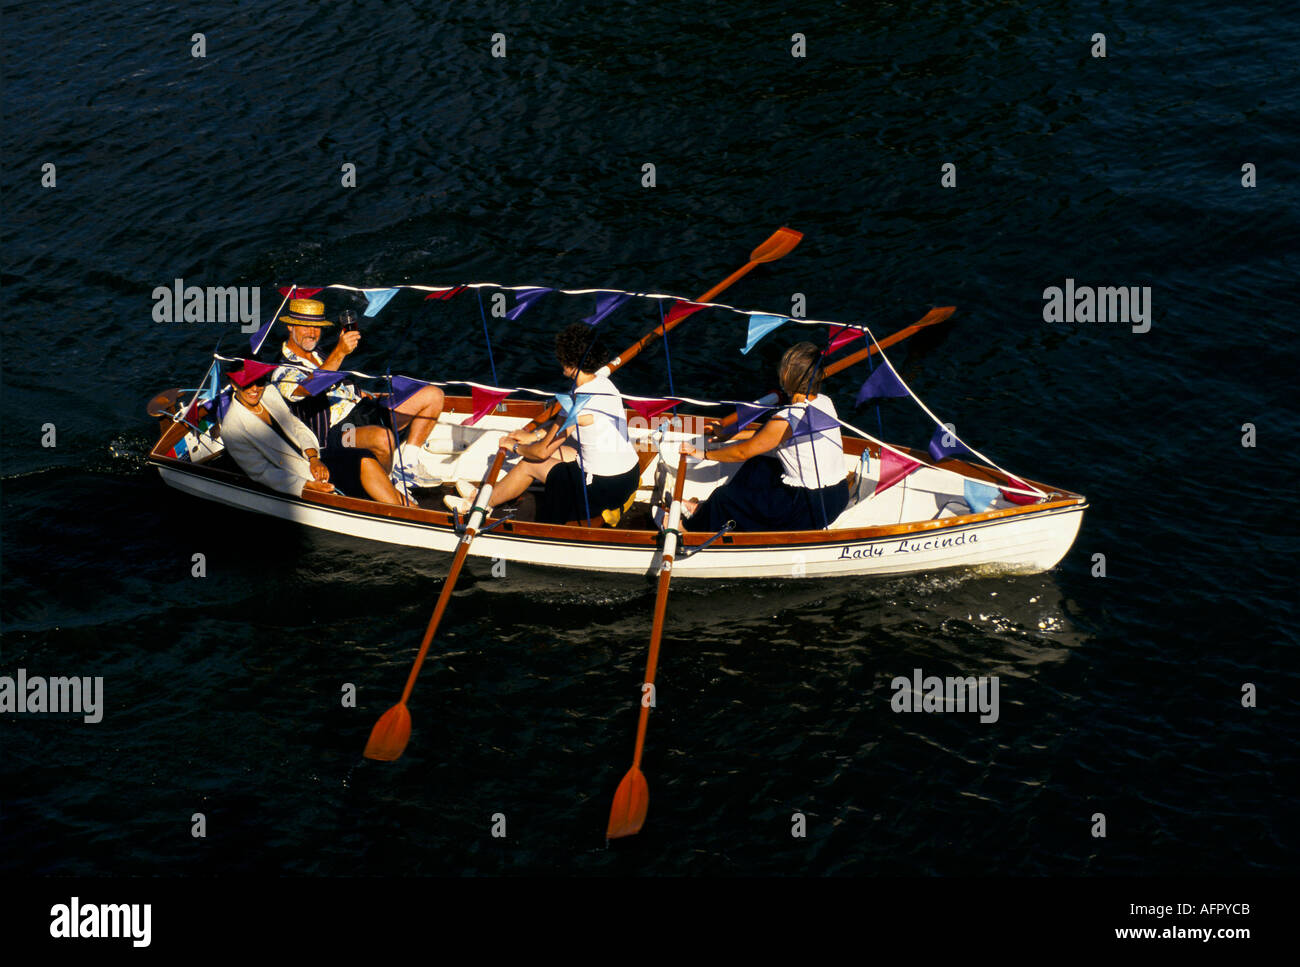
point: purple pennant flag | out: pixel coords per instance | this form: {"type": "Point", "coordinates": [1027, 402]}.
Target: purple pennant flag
{"type": "Point", "coordinates": [223, 404]}
{"type": "Point", "coordinates": [814, 421]}
{"type": "Point", "coordinates": [256, 339]}
{"type": "Point", "coordinates": [942, 449]}
{"type": "Point", "coordinates": [404, 388]}
{"type": "Point", "coordinates": [605, 304]}
{"type": "Point", "coordinates": [322, 380]}
{"type": "Point", "coordinates": [747, 413]}
{"type": "Point", "coordinates": [880, 384]}
{"type": "Point", "coordinates": [377, 300]}
{"type": "Point", "coordinates": [525, 298]}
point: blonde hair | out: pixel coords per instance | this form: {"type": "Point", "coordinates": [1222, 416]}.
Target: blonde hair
{"type": "Point", "coordinates": [800, 370]}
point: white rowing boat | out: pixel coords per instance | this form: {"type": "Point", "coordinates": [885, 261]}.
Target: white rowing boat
{"type": "Point", "coordinates": [923, 523]}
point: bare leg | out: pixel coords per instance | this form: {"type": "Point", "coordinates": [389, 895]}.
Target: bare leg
{"type": "Point", "coordinates": [421, 411]}
{"type": "Point", "coordinates": [378, 441]}
{"type": "Point", "coordinates": [375, 479]}
{"type": "Point", "coordinates": [521, 476]}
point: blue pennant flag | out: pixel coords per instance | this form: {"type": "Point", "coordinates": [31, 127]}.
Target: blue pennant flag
{"type": "Point", "coordinates": [760, 326]}
{"type": "Point", "coordinates": [980, 496]}
{"type": "Point", "coordinates": [814, 421]}
{"type": "Point", "coordinates": [322, 380]}
{"type": "Point", "coordinates": [572, 407]}
{"type": "Point", "coordinates": [945, 444]}
{"type": "Point", "coordinates": [377, 300]}
{"type": "Point", "coordinates": [211, 388]}
{"type": "Point", "coordinates": [747, 413]}
{"type": "Point", "coordinates": [880, 384]}
{"type": "Point", "coordinates": [525, 298]}
{"type": "Point", "coordinates": [605, 304]}
{"type": "Point", "coordinates": [404, 388]}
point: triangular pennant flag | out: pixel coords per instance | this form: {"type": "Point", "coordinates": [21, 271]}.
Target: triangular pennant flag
{"type": "Point", "coordinates": [893, 468]}
{"type": "Point", "coordinates": [842, 336]}
{"type": "Point", "coordinates": [377, 299]}
{"type": "Point", "coordinates": [573, 407]}
{"type": "Point", "coordinates": [484, 400]}
{"type": "Point", "coordinates": [445, 294]}
{"type": "Point", "coordinates": [760, 326]}
{"type": "Point", "coordinates": [747, 413]}
{"type": "Point", "coordinates": [945, 444]}
{"type": "Point", "coordinates": [681, 309]}
{"type": "Point", "coordinates": [524, 299]}
{"type": "Point", "coordinates": [256, 339]}
{"type": "Point", "coordinates": [299, 292]}
{"type": "Point", "coordinates": [223, 404]}
{"type": "Point", "coordinates": [813, 421]}
{"type": "Point", "coordinates": [880, 384]}
{"type": "Point", "coordinates": [205, 393]}
{"type": "Point", "coordinates": [1018, 498]}
{"type": "Point", "coordinates": [404, 388]}
{"type": "Point", "coordinates": [979, 496]}
{"type": "Point", "coordinates": [321, 380]}
{"type": "Point", "coordinates": [605, 304]}
{"type": "Point", "coordinates": [649, 409]}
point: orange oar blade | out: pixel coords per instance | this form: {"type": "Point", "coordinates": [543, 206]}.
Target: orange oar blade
{"type": "Point", "coordinates": [389, 736]}
{"type": "Point", "coordinates": [631, 801]}
{"type": "Point", "coordinates": [781, 242]}
{"type": "Point", "coordinates": [936, 315]}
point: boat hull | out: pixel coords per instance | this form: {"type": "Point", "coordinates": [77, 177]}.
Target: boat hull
{"type": "Point", "coordinates": [1028, 541]}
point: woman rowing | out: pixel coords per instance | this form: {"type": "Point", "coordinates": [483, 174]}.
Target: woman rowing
{"type": "Point", "coordinates": [598, 477]}
{"type": "Point", "coordinates": [275, 448]}
{"type": "Point", "coordinates": [805, 487]}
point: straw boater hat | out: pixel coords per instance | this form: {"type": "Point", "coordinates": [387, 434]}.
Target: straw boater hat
{"type": "Point", "coordinates": [306, 312]}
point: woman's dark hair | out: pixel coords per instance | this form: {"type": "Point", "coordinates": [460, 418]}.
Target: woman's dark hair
{"type": "Point", "coordinates": [580, 347]}
{"type": "Point", "coordinates": [800, 370]}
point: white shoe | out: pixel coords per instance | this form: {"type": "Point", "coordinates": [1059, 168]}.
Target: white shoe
{"type": "Point", "coordinates": [466, 489]}
{"type": "Point", "coordinates": [459, 504]}
{"type": "Point", "coordinates": [409, 458]}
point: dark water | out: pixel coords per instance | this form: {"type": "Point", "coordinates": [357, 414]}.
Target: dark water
{"type": "Point", "coordinates": [1119, 695]}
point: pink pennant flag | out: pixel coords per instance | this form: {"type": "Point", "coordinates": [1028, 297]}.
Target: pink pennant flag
{"type": "Point", "coordinates": [893, 468]}
{"type": "Point", "coordinates": [1019, 498]}
{"type": "Point", "coordinates": [649, 409]}
{"type": "Point", "coordinates": [841, 336]}
{"type": "Point", "coordinates": [300, 293]}
{"type": "Point", "coordinates": [484, 400]}
{"type": "Point", "coordinates": [681, 309]}
{"type": "Point", "coordinates": [445, 294]}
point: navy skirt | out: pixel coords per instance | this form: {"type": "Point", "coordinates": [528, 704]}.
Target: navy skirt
{"type": "Point", "coordinates": [562, 502]}
{"type": "Point", "coordinates": [757, 499]}
{"type": "Point", "coordinates": [367, 412]}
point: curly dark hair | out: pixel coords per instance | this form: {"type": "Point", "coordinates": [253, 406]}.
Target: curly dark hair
{"type": "Point", "coordinates": [581, 347]}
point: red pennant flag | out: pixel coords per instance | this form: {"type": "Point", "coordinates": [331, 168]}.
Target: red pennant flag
{"type": "Point", "coordinates": [649, 409]}
{"type": "Point", "coordinates": [1019, 498]}
{"type": "Point", "coordinates": [841, 336]}
{"type": "Point", "coordinates": [484, 400]}
{"type": "Point", "coordinates": [681, 309]}
{"type": "Point", "coordinates": [444, 294]}
{"type": "Point", "coordinates": [300, 292]}
{"type": "Point", "coordinates": [893, 468]}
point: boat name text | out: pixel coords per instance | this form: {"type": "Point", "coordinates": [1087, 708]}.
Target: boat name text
{"type": "Point", "coordinates": [907, 545]}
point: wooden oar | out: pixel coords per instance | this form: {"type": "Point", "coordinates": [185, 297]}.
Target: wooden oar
{"type": "Point", "coordinates": [931, 318]}
{"type": "Point", "coordinates": [778, 245]}
{"type": "Point", "coordinates": [632, 798]}
{"type": "Point", "coordinates": [393, 730]}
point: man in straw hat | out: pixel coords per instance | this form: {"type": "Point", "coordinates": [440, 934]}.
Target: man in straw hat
{"type": "Point", "coordinates": [344, 415]}
{"type": "Point", "coordinates": [277, 449]}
